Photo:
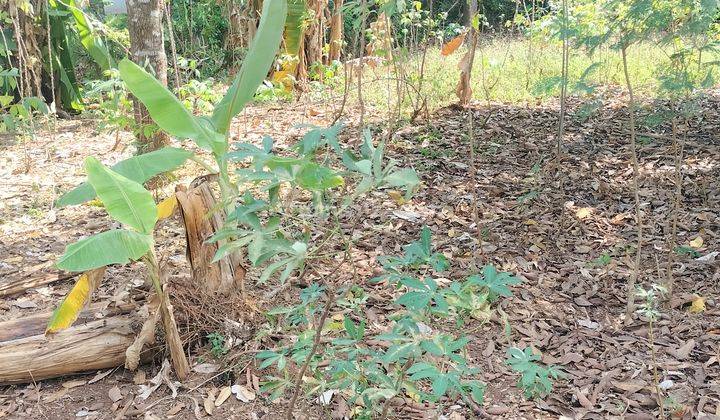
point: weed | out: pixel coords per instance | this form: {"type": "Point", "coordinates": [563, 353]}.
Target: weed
{"type": "Point", "coordinates": [217, 344]}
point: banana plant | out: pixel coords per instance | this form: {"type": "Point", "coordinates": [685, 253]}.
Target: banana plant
{"type": "Point", "coordinates": [130, 204]}
{"type": "Point", "coordinates": [68, 24]}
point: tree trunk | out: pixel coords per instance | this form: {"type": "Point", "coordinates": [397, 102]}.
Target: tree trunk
{"type": "Point", "coordinates": [147, 50]}
{"type": "Point", "coordinates": [311, 44]}
{"type": "Point", "coordinates": [336, 32]}
{"type": "Point", "coordinates": [464, 89]}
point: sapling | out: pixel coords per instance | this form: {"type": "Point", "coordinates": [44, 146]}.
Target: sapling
{"type": "Point", "coordinates": [649, 309]}
{"type": "Point", "coordinates": [536, 379]}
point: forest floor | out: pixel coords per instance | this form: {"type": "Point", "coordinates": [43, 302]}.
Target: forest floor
{"type": "Point", "coordinates": [550, 228]}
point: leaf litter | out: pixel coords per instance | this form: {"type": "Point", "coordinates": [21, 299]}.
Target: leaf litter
{"type": "Point", "coordinates": [553, 235]}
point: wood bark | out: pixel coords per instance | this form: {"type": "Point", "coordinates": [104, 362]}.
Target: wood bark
{"type": "Point", "coordinates": [15, 286]}
{"type": "Point", "coordinates": [27, 355]}
{"type": "Point", "coordinates": [202, 219]}
{"type": "Point", "coordinates": [144, 20]}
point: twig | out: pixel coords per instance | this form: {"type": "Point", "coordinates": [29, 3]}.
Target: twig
{"type": "Point", "coordinates": [316, 343]}
{"type": "Point", "coordinates": [398, 384]}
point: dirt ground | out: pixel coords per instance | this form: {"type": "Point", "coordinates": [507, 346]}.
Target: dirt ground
{"type": "Point", "coordinates": [548, 227]}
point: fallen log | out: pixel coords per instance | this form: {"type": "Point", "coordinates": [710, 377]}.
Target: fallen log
{"type": "Point", "coordinates": [26, 355]}
{"type": "Point", "coordinates": [15, 286]}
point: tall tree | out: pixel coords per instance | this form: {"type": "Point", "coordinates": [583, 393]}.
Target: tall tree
{"type": "Point", "coordinates": [336, 32]}
{"type": "Point", "coordinates": [147, 50]}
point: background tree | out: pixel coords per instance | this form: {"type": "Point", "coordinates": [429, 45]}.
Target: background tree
{"type": "Point", "coordinates": [147, 50]}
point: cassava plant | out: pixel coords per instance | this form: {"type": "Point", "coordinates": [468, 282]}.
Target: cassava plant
{"type": "Point", "coordinates": [417, 360]}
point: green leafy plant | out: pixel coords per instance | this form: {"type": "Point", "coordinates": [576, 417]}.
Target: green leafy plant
{"type": "Point", "coordinates": [536, 380]}
{"type": "Point", "coordinates": [217, 344]}
{"type": "Point", "coordinates": [417, 361]}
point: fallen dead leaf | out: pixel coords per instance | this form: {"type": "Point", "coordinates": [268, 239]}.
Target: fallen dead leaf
{"type": "Point", "coordinates": [115, 394]}
{"type": "Point", "coordinates": [243, 394]}
{"type": "Point", "coordinates": [583, 212]}
{"type": "Point", "coordinates": [206, 368]}
{"type": "Point", "coordinates": [631, 386]}
{"type": "Point", "coordinates": [698, 305]}
{"type": "Point", "coordinates": [74, 384]}
{"type": "Point", "coordinates": [175, 409]}
{"type": "Point", "coordinates": [55, 396]}
{"type": "Point", "coordinates": [697, 243]}
{"type": "Point", "coordinates": [209, 405]}
{"type": "Point", "coordinates": [100, 376]}
{"type": "Point", "coordinates": [225, 392]}
{"type": "Point", "coordinates": [684, 351]}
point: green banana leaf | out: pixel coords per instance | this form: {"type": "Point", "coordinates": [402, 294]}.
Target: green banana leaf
{"type": "Point", "coordinates": [63, 64]}
{"type": "Point", "coordinates": [125, 200]}
{"type": "Point", "coordinates": [255, 66]}
{"type": "Point", "coordinates": [294, 26]}
{"type": "Point", "coordinates": [92, 42]}
{"type": "Point", "coordinates": [137, 168]}
{"type": "Point", "coordinates": [166, 110]}
{"type": "Point", "coordinates": [118, 246]}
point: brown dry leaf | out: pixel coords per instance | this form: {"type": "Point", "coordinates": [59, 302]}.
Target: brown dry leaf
{"type": "Point", "coordinates": [697, 243]}
{"type": "Point", "coordinates": [452, 45]}
{"type": "Point", "coordinates": [209, 404]}
{"type": "Point", "coordinates": [243, 394]}
{"type": "Point", "coordinates": [140, 377]}
{"type": "Point", "coordinates": [56, 395]}
{"type": "Point", "coordinates": [175, 409]}
{"type": "Point", "coordinates": [684, 351]}
{"type": "Point", "coordinates": [583, 212]}
{"type": "Point", "coordinates": [583, 399]}
{"type": "Point", "coordinates": [115, 394]}
{"type": "Point", "coordinates": [100, 376]}
{"type": "Point", "coordinates": [156, 381]}
{"type": "Point", "coordinates": [631, 386]}
{"type": "Point", "coordinates": [74, 384]}
{"type": "Point", "coordinates": [225, 392]}
{"type": "Point", "coordinates": [698, 305]}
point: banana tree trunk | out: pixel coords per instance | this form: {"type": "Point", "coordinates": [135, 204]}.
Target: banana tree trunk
{"type": "Point", "coordinates": [27, 355]}
{"type": "Point", "coordinates": [225, 276]}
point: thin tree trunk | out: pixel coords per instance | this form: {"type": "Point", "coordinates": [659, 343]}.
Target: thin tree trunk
{"type": "Point", "coordinates": [147, 50]}
{"type": "Point", "coordinates": [563, 88]}
{"type": "Point", "coordinates": [336, 32]}
{"type": "Point", "coordinates": [630, 307]}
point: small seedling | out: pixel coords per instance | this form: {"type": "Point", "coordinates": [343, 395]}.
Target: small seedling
{"type": "Point", "coordinates": [536, 380]}
{"type": "Point", "coordinates": [217, 344]}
